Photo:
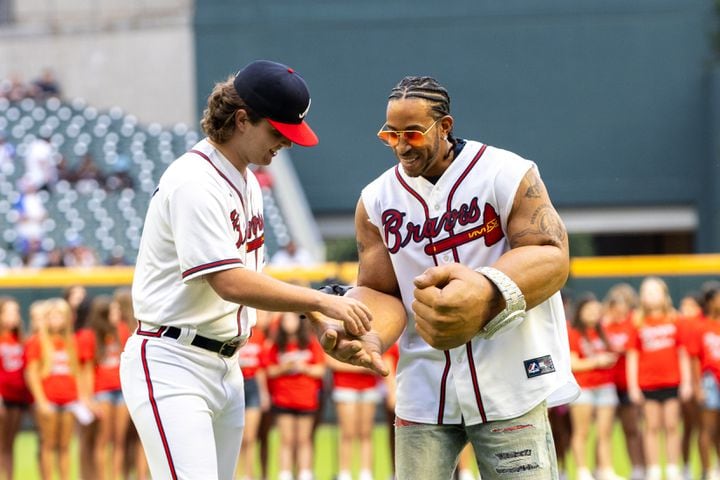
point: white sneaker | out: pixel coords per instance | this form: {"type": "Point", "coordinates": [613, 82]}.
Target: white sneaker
{"type": "Point", "coordinates": [672, 472]}
{"type": "Point", "coordinates": [609, 474]}
{"type": "Point", "coordinates": [653, 472]}
{"type": "Point", "coordinates": [584, 474]}
{"type": "Point", "coordinates": [713, 474]}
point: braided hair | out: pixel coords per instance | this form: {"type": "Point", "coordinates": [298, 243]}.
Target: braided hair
{"type": "Point", "coordinates": [425, 88]}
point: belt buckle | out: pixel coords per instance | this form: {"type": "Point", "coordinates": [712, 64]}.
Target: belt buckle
{"type": "Point", "coordinates": [228, 349]}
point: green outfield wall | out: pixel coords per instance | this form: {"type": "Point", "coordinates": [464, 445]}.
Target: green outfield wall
{"type": "Point", "coordinates": [615, 100]}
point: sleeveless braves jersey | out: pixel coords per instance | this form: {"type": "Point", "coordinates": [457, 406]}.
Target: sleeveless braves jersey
{"type": "Point", "coordinates": [204, 217]}
{"type": "Point", "coordinates": [463, 219]}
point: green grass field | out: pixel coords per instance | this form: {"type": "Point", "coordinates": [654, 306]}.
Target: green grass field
{"type": "Point", "coordinates": [325, 455]}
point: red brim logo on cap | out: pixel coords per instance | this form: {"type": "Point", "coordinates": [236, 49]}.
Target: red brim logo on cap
{"type": "Point", "coordinates": [299, 133]}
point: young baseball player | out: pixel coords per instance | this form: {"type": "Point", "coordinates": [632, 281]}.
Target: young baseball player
{"type": "Point", "coordinates": [466, 235]}
{"type": "Point", "coordinates": [198, 278]}
{"type": "Point", "coordinates": [15, 398]}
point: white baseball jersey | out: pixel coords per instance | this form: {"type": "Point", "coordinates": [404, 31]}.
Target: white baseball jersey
{"type": "Point", "coordinates": [204, 217]}
{"type": "Point", "coordinates": [463, 218]}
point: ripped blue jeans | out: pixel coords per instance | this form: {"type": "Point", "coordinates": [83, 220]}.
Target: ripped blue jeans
{"type": "Point", "coordinates": [519, 448]}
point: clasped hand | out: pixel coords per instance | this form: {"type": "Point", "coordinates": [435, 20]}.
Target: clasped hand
{"type": "Point", "coordinates": [452, 303]}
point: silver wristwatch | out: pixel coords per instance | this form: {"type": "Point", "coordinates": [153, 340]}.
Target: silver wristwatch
{"type": "Point", "coordinates": [515, 305]}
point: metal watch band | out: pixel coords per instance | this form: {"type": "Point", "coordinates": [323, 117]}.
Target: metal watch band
{"type": "Point", "coordinates": [514, 299]}
{"type": "Point", "coordinates": [514, 303]}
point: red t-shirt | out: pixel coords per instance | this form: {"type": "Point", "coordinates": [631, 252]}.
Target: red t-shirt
{"type": "Point", "coordinates": [250, 356]}
{"type": "Point", "coordinates": [618, 335]}
{"type": "Point", "coordinates": [589, 346]}
{"type": "Point", "coordinates": [393, 354]}
{"type": "Point", "coordinates": [107, 369]}
{"type": "Point", "coordinates": [690, 330]}
{"type": "Point", "coordinates": [708, 351]}
{"type": "Point", "coordinates": [355, 380]}
{"type": "Point", "coordinates": [59, 386]}
{"type": "Point", "coordinates": [657, 341]}
{"type": "Point", "coordinates": [12, 370]}
{"type": "Point", "coordinates": [295, 390]}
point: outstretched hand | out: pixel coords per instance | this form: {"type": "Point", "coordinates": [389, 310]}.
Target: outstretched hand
{"type": "Point", "coordinates": [364, 351]}
{"type": "Point", "coordinates": [354, 314]}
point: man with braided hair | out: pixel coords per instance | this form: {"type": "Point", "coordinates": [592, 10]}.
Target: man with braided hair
{"type": "Point", "coordinates": [465, 234]}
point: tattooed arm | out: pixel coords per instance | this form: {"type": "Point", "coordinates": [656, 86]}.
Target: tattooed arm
{"type": "Point", "coordinates": [538, 260]}
{"type": "Point", "coordinates": [453, 302]}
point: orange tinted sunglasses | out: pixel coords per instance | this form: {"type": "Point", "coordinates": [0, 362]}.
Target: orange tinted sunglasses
{"type": "Point", "coordinates": [414, 138]}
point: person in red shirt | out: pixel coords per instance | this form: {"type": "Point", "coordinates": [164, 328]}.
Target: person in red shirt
{"type": "Point", "coordinates": [134, 454]}
{"type": "Point", "coordinates": [15, 397]}
{"type": "Point", "coordinates": [356, 395]}
{"type": "Point", "coordinates": [619, 303]}
{"type": "Point", "coordinates": [52, 367]}
{"type": "Point", "coordinates": [658, 374]}
{"type": "Point", "coordinates": [295, 368]}
{"type": "Point", "coordinates": [99, 348]}
{"type": "Point", "coordinates": [257, 397]}
{"type": "Point", "coordinates": [690, 321]}
{"type": "Point", "coordinates": [592, 362]}
{"type": "Point", "coordinates": [391, 357]}
{"type": "Point", "coordinates": [706, 372]}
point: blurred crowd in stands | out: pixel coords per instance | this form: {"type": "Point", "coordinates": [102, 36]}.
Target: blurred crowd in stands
{"type": "Point", "coordinates": [43, 169]}
{"type": "Point", "coordinates": [15, 89]}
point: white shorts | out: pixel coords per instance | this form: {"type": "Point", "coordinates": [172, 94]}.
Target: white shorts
{"type": "Point", "coordinates": [600, 396]}
{"type": "Point", "coordinates": [352, 395]}
{"type": "Point", "coordinates": [188, 407]}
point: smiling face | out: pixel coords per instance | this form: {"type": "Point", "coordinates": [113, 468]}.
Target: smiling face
{"type": "Point", "coordinates": [262, 142]}
{"type": "Point", "coordinates": [431, 158]}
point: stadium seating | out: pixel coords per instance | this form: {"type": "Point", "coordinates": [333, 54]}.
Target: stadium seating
{"type": "Point", "coordinates": [107, 219]}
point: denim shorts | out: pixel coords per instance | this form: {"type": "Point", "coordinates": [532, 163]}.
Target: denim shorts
{"type": "Point", "coordinates": [518, 448]}
{"type": "Point", "coordinates": [711, 390]}
{"type": "Point", "coordinates": [252, 393]}
{"type": "Point", "coordinates": [353, 395]}
{"type": "Point", "coordinates": [600, 396]}
{"type": "Point", "coordinates": [114, 397]}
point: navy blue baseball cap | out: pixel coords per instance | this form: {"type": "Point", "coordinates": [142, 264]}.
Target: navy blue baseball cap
{"type": "Point", "coordinates": [278, 93]}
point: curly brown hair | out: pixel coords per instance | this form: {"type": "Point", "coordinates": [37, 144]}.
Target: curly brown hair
{"type": "Point", "coordinates": [218, 118]}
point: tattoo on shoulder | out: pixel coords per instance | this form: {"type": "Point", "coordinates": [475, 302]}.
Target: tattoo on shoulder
{"type": "Point", "coordinates": [545, 224]}
{"type": "Point", "coordinates": [535, 189]}
{"type": "Point", "coordinates": [360, 247]}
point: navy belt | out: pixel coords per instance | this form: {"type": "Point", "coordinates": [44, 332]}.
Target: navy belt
{"type": "Point", "coordinates": [226, 349]}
